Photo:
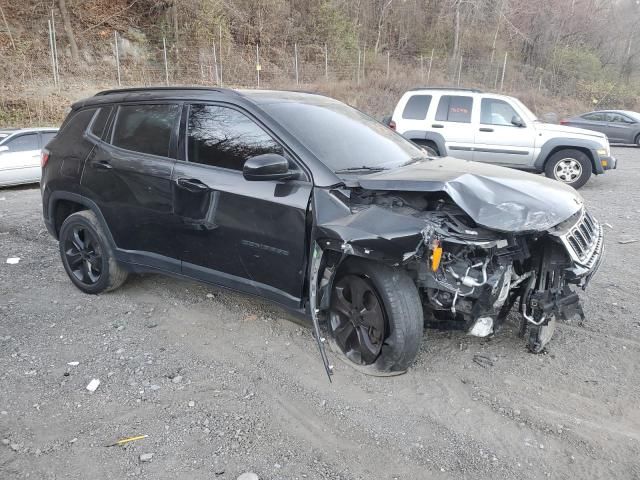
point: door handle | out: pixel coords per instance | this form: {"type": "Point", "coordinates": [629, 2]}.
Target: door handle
{"type": "Point", "coordinates": [192, 184]}
{"type": "Point", "coordinates": [437, 125]}
{"type": "Point", "coordinates": [103, 165]}
{"type": "Point", "coordinates": [486, 129]}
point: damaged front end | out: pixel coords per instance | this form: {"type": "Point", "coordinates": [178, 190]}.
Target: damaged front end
{"type": "Point", "coordinates": [468, 276]}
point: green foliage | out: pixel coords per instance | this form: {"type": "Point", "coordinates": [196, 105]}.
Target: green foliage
{"type": "Point", "coordinates": [334, 28]}
{"type": "Point", "coordinates": [577, 63]}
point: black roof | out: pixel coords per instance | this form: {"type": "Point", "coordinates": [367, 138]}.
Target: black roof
{"type": "Point", "coordinates": [190, 93]}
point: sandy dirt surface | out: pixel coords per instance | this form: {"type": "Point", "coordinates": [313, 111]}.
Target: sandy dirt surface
{"type": "Point", "coordinates": [224, 384]}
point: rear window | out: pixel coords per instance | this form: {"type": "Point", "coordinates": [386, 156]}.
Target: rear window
{"type": "Point", "coordinates": [146, 128]}
{"type": "Point", "coordinates": [454, 108]}
{"type": "Point", "coordinates": [417, 107]}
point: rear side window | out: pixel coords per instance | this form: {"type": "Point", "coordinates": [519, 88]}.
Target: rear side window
{"type": "Point", "coordinates": [100, 122]}
{"type": "Point", "coordinates": [24, 143]}
{"type": "Point", "coordinates": [454, 108]}
{"type": "Point", "coordinates": [223, 137]}
{"type": "Point", "coordinates": [146, 128]}
{"type": "Point", "coordinates": [595, 117]}
{"type": "Point", "coordinates": [417, 107]}
{"type": "Point", "coordinates": [76, 123]}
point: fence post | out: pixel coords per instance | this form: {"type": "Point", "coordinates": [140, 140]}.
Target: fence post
{"type": "Point", "coordinates": [430, 63]}
{"type": "Point", "coordinates": [215, 62]}
{"type": "Point", "coordinates": [117, 52]}
{"type": "Point", "coordinates": [55, 46]}
{"type": "Point", "coordinates": [421, 68]}
{"type": "Point", "coordinates": [504, 67]}
{"type": "Point", "coordinates": [364, 58]}
{"type": "Point", "coordinates": [166, 65]}
{"type": "Point", "coordinates": [358, 74]}
{"type": "Point", "coordinates": [53, 58]}
{"type": "Point", "coordinates": [258, 67]}
{"type": "Point", "coordinates": [388, 62]}
{"type": "Point", "coordinates": [295, 61]}
{"type": "Point", "coordinates": [326, 63]}
{"type": "Point", "coordinates": [220, 55]}
{"type": "Point", "coordinates": [459, 70]}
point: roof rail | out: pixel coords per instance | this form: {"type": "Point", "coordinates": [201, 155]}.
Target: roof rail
{"type": "Point", "coordinates": [146, 89]}
{"type": "Point", "coordinates": [473, 90]}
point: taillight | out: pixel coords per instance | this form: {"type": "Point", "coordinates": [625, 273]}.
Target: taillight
{"type": "Point", "coordinates": [44, 157]}
{"type": "Point", "coordinates": [392, 125]}
{"type": "Point", "coordinates": [564, 121]}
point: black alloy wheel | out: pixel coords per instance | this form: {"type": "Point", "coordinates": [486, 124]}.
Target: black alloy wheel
{"type": "Point", "coordinates": [83, 255]}
{"type": "Point", "coordinates": [357, 319]}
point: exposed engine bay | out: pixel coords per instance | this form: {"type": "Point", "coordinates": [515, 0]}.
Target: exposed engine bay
{"type": "Point", "coordinates": [469, 277]}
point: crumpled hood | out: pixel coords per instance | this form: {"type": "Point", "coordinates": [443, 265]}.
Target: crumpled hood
{"type": "Point", "coordinates": [494, 197]}
{"type": "Point", "coordinates": [564, 129]}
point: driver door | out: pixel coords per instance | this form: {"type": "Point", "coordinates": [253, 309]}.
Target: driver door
{"type": "Point", "coordinates": [245, 235]}
{"type": "Point", "coordinates": [498, 140]}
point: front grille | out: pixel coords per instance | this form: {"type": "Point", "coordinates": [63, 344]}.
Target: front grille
{"type": "Point", "coordinates": [584, 239]}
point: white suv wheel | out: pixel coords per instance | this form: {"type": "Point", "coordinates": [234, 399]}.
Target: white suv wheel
{"type": "Point", "coordinates": [567, 170]}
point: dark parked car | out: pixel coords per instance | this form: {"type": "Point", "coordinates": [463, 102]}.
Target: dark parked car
{"type": "Point", "coordinates": [310, 203]}
{"type": "Point", "coordinates": [620, 126]}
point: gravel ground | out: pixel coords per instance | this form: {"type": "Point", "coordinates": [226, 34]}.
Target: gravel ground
{"type": "Point", "coordinates": [224, 384]}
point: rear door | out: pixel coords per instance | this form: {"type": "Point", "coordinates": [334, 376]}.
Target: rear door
{"type": "Point", "coordinates": [453, 121]}
{"type": "Point", "coordinates": [128, 175]}
{"type": "Point", "coordinates": [497, 139]}
{"type": "Point", "coordinates": [21, 163]}
{"type": "Point", "coordinates": [246, 235]}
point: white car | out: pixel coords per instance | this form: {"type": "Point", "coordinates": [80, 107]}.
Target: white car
{"type": "Point", "coordinates": [20, 154]}
{"type": "Point", "coordinates": [498, 129]}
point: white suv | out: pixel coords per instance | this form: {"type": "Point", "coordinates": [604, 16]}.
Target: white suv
{"type": "Point", "coordinates": [497, 129]}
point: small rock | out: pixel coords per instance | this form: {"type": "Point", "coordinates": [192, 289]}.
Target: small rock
{"type": "Point", "coordinates": [73, 440]}
{"type": "Point", "coordinates": [16, 446]}
{"type": "Point", "coordinates": [146, 457]}
{"type": "Point", "coordinates": [5, 441]}
{"type": "Point", "coordinates": [93, 385]}
{"type": "Point", "coordinates": [73, 364]}
{"type": "Point", "coordinates": [155, 387]}
{"type": "Point", "coordinates": [210, 295]}
{"type": "Point", "coordinates": [192, 403]}
{"type": "Point", "coordinates": [177, 379]}
{"type": "Point", "coordinates": [248, 476]}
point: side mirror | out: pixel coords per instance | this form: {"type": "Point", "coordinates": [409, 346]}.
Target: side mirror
{"type": "Point", "coordinates": [517, 121]}
{"type": "Point", "coordinates": [269, 166]}
{"type": "Point", "coordinates": [4, 148]}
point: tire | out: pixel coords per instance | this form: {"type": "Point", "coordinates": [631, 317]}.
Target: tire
{"type": "Point", "coordinates": [396, 294]}
{"type": "Point", "coordinates": [637, 140]}
{"type": "Point", "coordinates": [569, 166]}
{"type": "Point", "coordinates": [431, 149]}
{"type": "Point", "coordinates": [86, 255]}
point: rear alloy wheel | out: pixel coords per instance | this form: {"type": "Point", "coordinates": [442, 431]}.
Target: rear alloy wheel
{"type": "Point", "coordinates": [375, 318]}
{"type": "Point", "coordinates": [637, 140]}
{"type": "Point", "coordinates": [86, 255]}
{"type": "Point", "coordinates": [571, 167]}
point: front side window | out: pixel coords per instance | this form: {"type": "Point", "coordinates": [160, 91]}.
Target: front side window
{"type": "Point", "coordinates": [617, 118]}
{"type": "Point", "coordinates": [454, 108]}
{"type": "Point", "coordinates": [146, 128]}
{"type": "Point", "coordinates": [23, 143]}
{"type": "Point", "coordinates": [224, 137]}
{"type": "Point", "coordinates": [417, 107]}
{"type": "Point", "coordinates": [496, 112]}
{"type": "Point", "coordinates": [47, 137]}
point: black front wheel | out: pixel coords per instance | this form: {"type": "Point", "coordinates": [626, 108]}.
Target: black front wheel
{"type": "Point", "coordinates": [375, 318]}
{"type": "Point", "coordinates": [86, 255]}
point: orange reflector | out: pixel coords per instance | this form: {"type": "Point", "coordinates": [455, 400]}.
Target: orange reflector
{"type": "Point", "coordinates": [436, 256]}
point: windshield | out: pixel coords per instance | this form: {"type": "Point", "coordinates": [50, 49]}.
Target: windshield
{"type": "Point", "coordinates": [528, 113]}
{"type": "Point", "coordinates": [342, 137]}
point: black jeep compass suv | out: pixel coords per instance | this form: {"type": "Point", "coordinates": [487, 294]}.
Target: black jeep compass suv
{"type": "Point", "coordinates": [310, 203]}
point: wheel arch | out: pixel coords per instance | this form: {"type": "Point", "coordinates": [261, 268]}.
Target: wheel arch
{"type": "Point", "coordinates": [554, 145]}
{"type": "Point", "coordinates": [432, 137]}
{"type": "Point", "coordinates": [62, 204]}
